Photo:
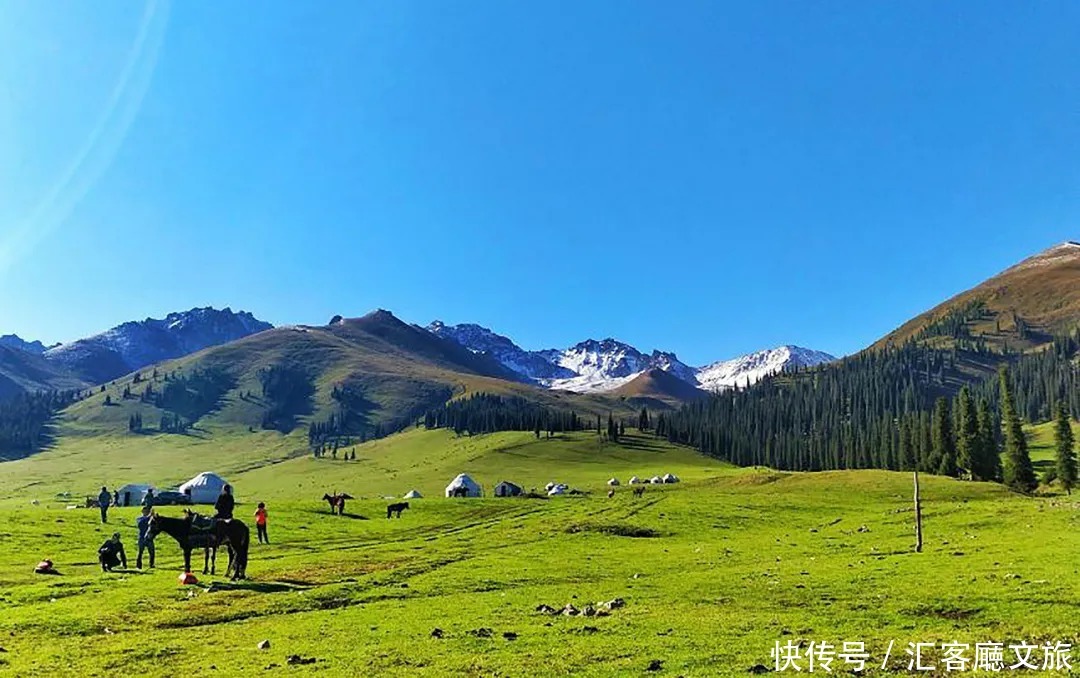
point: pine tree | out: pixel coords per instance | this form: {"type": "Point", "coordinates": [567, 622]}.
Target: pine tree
{"type": "Point", "coordinates": [944, 450]}
{"type": "Point", "coordinates": [967, 433]}
{"type": "Point", "coordinates": [1017, 472]}
{"type": "Point", "coordinates": [907, 449]}
{"type": "Point", "coordinates": [1064, 444]}
{"type": "Point", "coordinates": [988, 466]}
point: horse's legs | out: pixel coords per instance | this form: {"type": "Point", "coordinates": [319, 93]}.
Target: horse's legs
{"type": "Point", "coordinates": [187, 560]}
{"type": "Point", "coordinates": [213, 560]}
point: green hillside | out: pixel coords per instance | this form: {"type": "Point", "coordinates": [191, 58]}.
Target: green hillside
{"type": "Point", "coordinates": [713, 571]}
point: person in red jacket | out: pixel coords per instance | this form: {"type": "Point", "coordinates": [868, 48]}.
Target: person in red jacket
{"type": "Point", "coordinates": [260, 523]}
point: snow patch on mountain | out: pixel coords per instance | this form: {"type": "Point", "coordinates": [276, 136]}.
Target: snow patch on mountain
{"type": "Point", "coordinates": [752, 368]}
{"type": "Point", "coordinates": [136, 344]}
{"type": "Point", "coordinates": [597, 366]}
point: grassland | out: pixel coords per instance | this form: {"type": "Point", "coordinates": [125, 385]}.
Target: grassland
{"type": "Point", "coordinates": [713, 570]}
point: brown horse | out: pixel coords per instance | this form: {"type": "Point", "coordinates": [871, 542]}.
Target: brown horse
{"type": "Point", "coordinates": [336, 502]}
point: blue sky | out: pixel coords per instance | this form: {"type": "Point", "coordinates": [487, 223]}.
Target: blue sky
{"type": "Point", "coordinates": [709, 178]}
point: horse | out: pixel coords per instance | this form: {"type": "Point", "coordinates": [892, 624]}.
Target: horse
{"type": "Point", "coordinates": [396, 508]}
{"type": "Point", "coordinates": [233, 534]}
{"type": "Point", "coordinates": [336, 502]}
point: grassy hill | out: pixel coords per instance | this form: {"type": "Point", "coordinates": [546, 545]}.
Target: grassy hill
{"type": "Point", "coordinates": [658, 389]}
{"type": "Point", "coordinates": [379, 371]}
{"type": "Point", "coordinates": [1039, 292]}
{"type": "Point", "coordinates": [713, 571]}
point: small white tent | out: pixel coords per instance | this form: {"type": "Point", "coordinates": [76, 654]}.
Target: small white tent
{"type": "Point", "coordinates": [204, 488]}
{"type": "Point", "coordinates": [614, 482]}
{"type": "Point", "coordinates": [669, 478]}
{"type": "Point", "coordinates": [656, 480]}
{"type": "Point", "coordinates": [548, 487]}
{"type": "Point", "coordinates": [508, 489]}
{"type": "Point", "coordinates": [558, 489]}
{"type": "Point", "coordinates": [132, 494]}
{"type": "Point", "coordinates": [413, 494]}
{"type": "Point", "coordinates": [634, 480]}
{"type": "Point", "coordinates": [472, 489]}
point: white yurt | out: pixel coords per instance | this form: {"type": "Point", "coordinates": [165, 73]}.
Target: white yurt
{"type": "Point", "coordinates": [557, 490]}
{"type": "Point", "coordinates": [614, 482]}
{"type": "Point", "coordinates": [634, 480]}
{"type": "Point", "coordinates": [472, 489]}
{"type": "Point", "coordinates": [657, 480]}
{"type": "Point", "coordinates": [670, 478]}
{"type": "Point", "coordinates": [507, 489]}
{"type": "Point", "coordinates": [204, 488]}
{"type": "Point", "coordinates": [413, 494]}
{"type": "Point", "coordinates": [548, 487]}
{"type": "Point", "coordinates": [132, 494]}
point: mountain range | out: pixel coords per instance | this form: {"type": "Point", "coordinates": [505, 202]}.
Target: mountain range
{"type": "Point", "coordinates": [229, 372]}
{"type": "Point", "coordinates": [593, 366]}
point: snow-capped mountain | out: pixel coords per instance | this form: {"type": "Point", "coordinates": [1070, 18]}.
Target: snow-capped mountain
{"type": "Point", "coordinates": [597, 366]}
{"type": "Point", "coordinates": [17, 342]}
{"type": "Point", "coordinates": [751, 368]}
{"type": "Point", "coordinates": [136, 344]}
{"type": "Point", "coordinates": [529, 364]}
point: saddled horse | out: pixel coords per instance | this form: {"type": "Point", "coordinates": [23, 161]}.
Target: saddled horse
{"type": "Point", "coordinates": [336, 502]}
{"type": "Point", "coordinates": [232, 534]}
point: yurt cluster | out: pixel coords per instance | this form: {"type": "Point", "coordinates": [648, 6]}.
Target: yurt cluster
{"type": "Point", "coordinates": [464, 486]}
{"type": "Point", "coordinates": [666, 479]}
{"type": "Point", "coordinates": [202, 489]}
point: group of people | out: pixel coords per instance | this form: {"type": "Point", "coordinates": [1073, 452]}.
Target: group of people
{"type": "Point", "coordinates": [105, 500]}
{"type": "Point", "coordinates": [111, 554]}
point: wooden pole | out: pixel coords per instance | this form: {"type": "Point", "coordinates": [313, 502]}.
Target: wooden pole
{"type": "Point", "coordinates": [918, 516]}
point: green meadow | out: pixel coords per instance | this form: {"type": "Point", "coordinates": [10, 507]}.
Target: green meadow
{"type": "Point", "coordinates": [713, 570]}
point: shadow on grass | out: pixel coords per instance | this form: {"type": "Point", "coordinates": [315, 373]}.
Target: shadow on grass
{"type": "Point", "coordinates": [257, 587]}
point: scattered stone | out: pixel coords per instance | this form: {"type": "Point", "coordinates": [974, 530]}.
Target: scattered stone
{"type": "Point", "coordinates": [616, 603]}
{"type": "Point", "coordinates": [2, 650]}
{"type": "Point", "coordinates": [510, 635]}
{"type": "Point", "coordinates": [264, 645]}
{"type": "Point", "coordinates": [108, 631]}
{"type": "Point", "coordinates": [570, 610]}
{"type": "Point", "coordinates": [436, 633]}
{"type": "Point", "coordinates": [958, 553]}
{"type": "Point", "coordinates": [758, 669]}
{"type": "Point", "coordinates": [655, 665]}
{"type": "Point", "coordinates": [813, 529]}
{"type": "Point", "coordinates": [270, 667]}
{"type": "Point", "coordinates": [482, 632]}
{"type": "Point", "coordinates": [863, 528]}
{"type": "Point", "coordinates": [589, 611]}
{"type": "Point", "coordinates": [589, 629]}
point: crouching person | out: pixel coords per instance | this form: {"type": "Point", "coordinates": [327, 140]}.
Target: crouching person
{"type": "Point", "coordinates": [146, 542]}
{"type": "Point", "coordinates": [111, 554]}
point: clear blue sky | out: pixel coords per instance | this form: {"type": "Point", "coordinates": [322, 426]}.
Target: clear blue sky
{"type": "Point", "coordinates": [709, 178]}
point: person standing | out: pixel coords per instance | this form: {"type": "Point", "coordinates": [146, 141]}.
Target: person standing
{"type": "Point", "coordinates": [225, 504]}
{"type": "Point", "coordinates": [104, 498]}
{"type": "Point", "coordinates": [116, 497]}
{"type": "Point", "coordinates": [146, 542]}
{"type": "Point", "coordinates": [260, 523]}
{"type": "Point", "coordinates": [148, 499]}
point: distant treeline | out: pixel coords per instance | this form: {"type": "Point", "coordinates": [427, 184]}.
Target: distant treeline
{"type": "Point", "coordinates": [486, 413]}
{"type": "Point", "coordinates": [24, 420]}
{"type": "Point", "coordinates": [897, 408]}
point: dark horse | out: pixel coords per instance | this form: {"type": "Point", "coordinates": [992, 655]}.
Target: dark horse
{"type": "Point", "coordinates": [230, 533]}
{"type": "Point", "coordinates": [337, 502]}
{"type": "Point", "coordinates": [396, 508]}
